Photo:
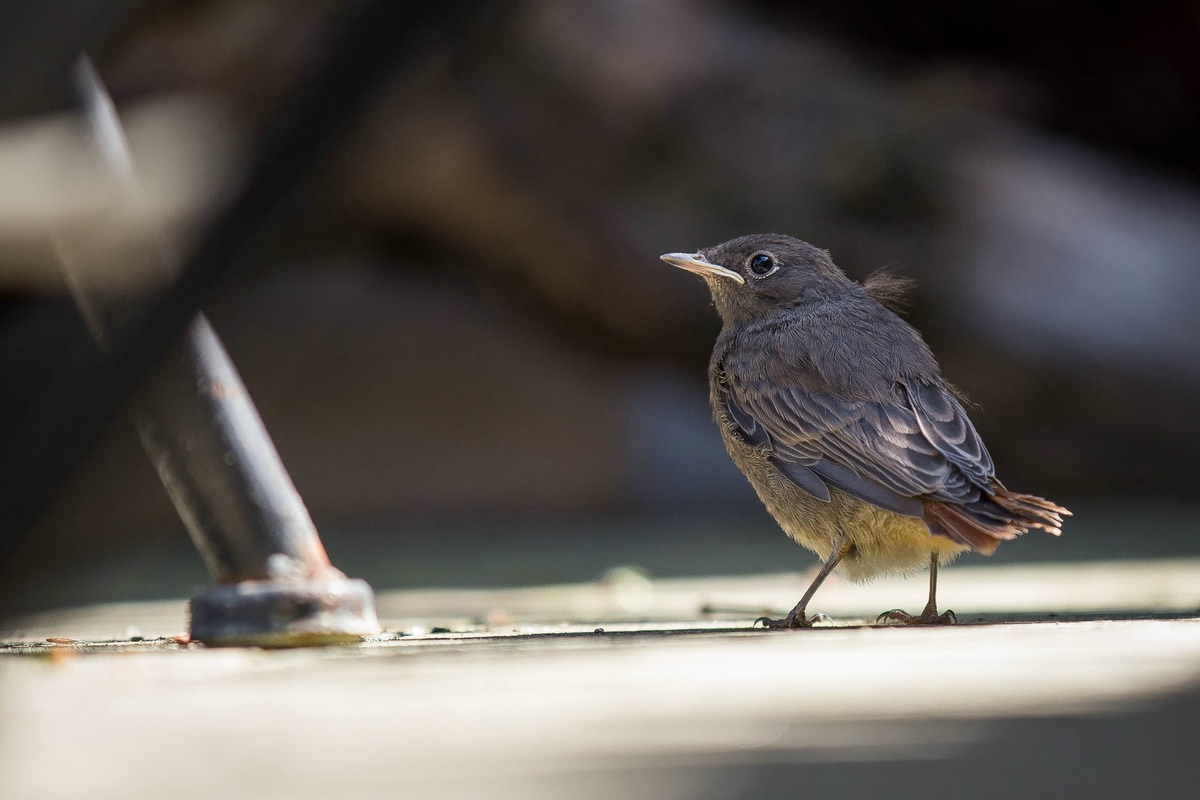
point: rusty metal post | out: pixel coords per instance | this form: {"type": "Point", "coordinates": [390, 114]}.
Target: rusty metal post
{"type": "Point", "coordinates": [216, 459]}
{"type": "Point", "coordinates": [218, 464]}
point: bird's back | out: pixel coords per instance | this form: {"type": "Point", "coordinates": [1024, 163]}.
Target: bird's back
{"type": "Point", "coordinates": [844, 395]}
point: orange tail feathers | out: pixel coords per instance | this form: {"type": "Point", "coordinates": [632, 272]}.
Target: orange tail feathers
{"type": "Point", "coordinates": [1004, 515]}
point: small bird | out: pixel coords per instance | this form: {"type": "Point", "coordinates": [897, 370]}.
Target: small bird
{"type": "Point", "coordinates": [836, 411]}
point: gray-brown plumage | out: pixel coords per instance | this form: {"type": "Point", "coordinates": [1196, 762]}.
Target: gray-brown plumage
{"type": "Point", "coordinates": [836, 411]}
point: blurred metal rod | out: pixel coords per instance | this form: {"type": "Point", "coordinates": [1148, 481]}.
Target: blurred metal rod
{"type": "Point", "coordinates": [377, 38]}
{"type": "Point", "coordinates": [217, 462]}
{"type": "Point", "coordinates": [215, 458]}
{"type": "Point", "coordinates": [196, 420]}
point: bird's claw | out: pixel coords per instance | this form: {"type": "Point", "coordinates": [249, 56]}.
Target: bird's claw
{"type": "Point", "coordinates": [791, 621]}
{"type": "Point", "coordinates": [787, 623]}
{"type": "Point", "coordinates": [927, 617]}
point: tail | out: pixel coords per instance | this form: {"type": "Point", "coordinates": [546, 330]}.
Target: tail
{"type": "Point", "coordinates": [1004, 515]}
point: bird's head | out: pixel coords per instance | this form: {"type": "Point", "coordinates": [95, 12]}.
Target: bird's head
{"type": "Point", "coordinates": [755, 276]}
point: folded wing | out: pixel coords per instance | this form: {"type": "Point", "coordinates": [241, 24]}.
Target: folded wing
{"type": "Point", "coordinates": [917, 445]}
{"type": "Point", "coordinates": [915, 453]}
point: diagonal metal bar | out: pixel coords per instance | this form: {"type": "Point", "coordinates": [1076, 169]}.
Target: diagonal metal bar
{"type": "Point", "coordinates": [38, 44]}
{"type": "Point", "coordinates": [195, 418]}
{"type": "Point", "coordinates": [376, 38]}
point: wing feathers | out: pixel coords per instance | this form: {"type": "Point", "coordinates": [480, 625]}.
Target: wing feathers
{"type": "Point", "coordinates": [805, 478]}
{"type": "Point", "coordinates": [945, 424]}
{"type": "Point", "coordinates": [868, 490]}
{"type": "Point", "coordinates": [917, 455]}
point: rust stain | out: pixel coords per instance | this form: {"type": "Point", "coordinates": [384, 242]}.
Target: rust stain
{"type": "Point", "coordinates": [220, 391]}
{"type": "Point", "coordinates": [62, 655]}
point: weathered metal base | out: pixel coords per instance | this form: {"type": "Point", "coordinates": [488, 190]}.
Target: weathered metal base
{"type": "Point", "coordinates": [284, 613]}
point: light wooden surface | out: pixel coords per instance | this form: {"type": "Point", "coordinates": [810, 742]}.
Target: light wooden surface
{"type": "Point", "coordinates": [1158, 586]}
{"type": "Point", "coordinates": [525, 699]}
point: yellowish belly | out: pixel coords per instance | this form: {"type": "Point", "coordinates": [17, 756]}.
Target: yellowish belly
{"type": "Point", "coordinates": [884, 543]}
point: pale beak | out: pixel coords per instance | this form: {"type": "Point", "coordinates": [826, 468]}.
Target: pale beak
{"type": "Point", "coordinates": [694, 262]}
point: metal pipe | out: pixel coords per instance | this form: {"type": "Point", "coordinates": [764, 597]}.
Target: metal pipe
{"type": "Point", "coordinates": [217, 462]}
{"type": "Point", "coordinates": [374, 40]}
{"type": "Point", "coordinates": [213, 454]}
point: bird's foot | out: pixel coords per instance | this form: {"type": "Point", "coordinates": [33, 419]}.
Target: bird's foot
{"type": "Point", "coordinates": [791, 621]}
{"type": "Point", "coordinates": [927, 617]}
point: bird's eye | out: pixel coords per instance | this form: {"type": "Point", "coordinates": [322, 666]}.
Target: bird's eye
{"type": "Point", "coordinates": [762, 265]}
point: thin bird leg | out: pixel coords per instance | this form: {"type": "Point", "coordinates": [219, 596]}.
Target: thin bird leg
{"type": "Point", "coordinates": [797, 618]}
{"type": "Point", "coordinates": [930, 615]}
{"type": "Point", "coordinates": [931, 606]}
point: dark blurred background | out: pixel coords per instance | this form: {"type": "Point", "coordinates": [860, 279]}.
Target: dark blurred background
{"type": "Point", "coordinates": [463, 342]}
